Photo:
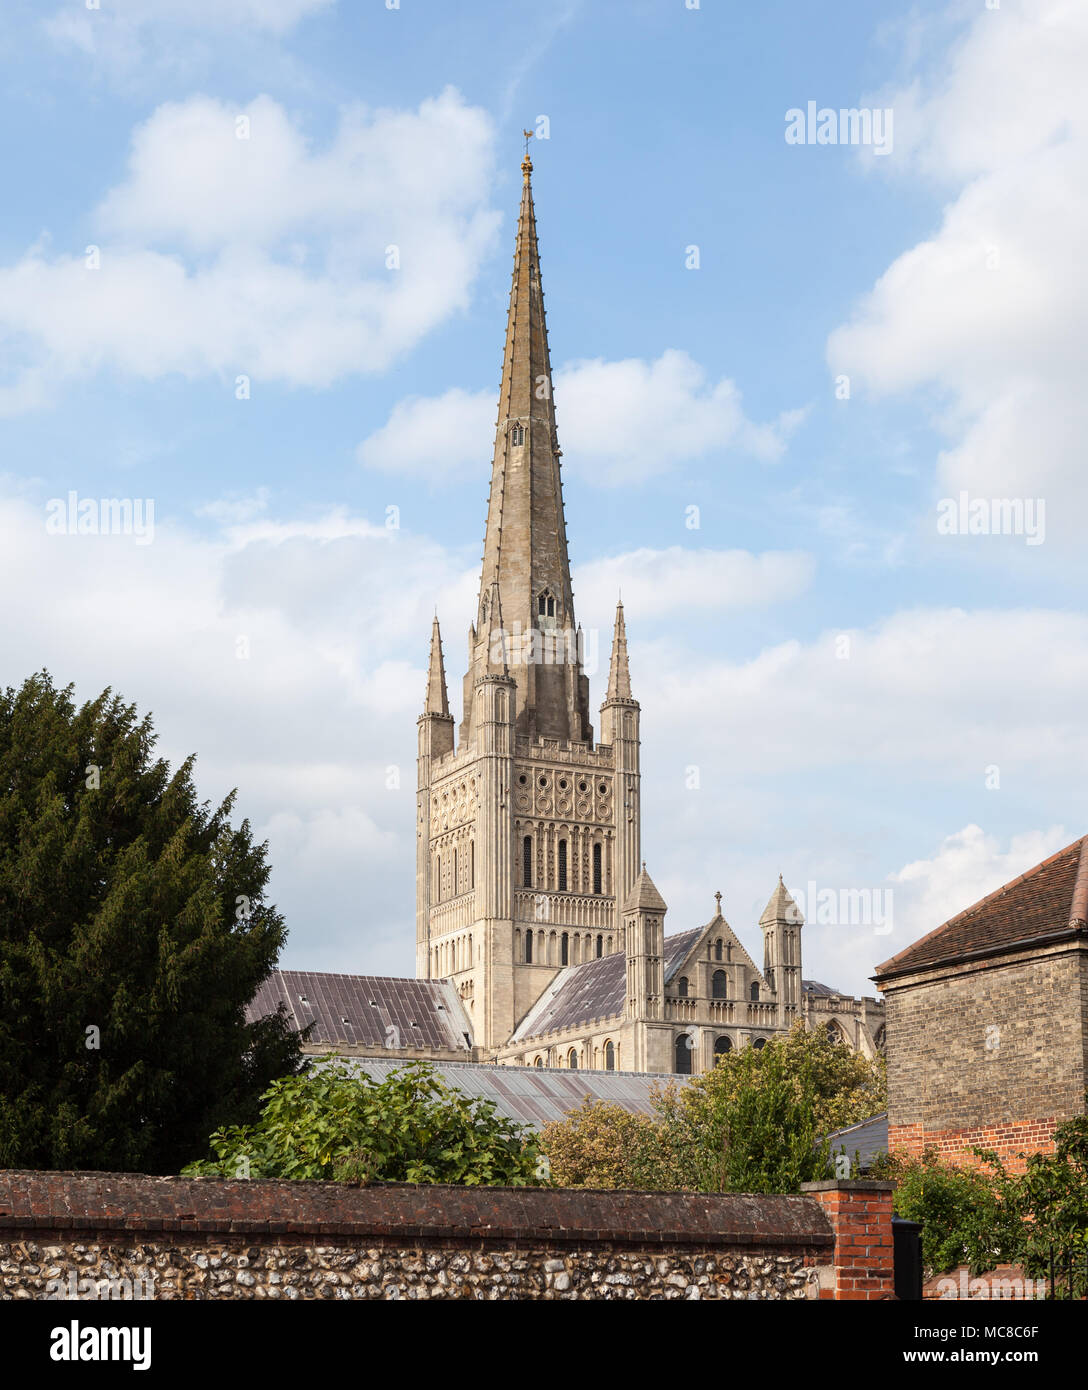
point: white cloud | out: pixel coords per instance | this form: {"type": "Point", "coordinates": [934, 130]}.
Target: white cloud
{"type": "Point", "coordinates": [968, 865]}
{"type": "Point", "coordinates": [618, 422]}
{"type": "Point", "coordinates": [945, 690]}
{"type": "Point", "coordinates": [260, 257]}
{"type": "Point", "coordinates": [676, 579]}
{"type": "Point", "coordinates": [990, 310]}
{"type": "Point", "coordinates": [335, 614]}
{"type": "Point", "coordinates": [440, 437]}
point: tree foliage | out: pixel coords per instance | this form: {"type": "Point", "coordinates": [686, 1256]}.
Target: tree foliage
{"type": "Point", "coordinates": [752, 1124]}
{"type": "Point", "coordinates": [340, 1124]}
{"type": "Point", "coordinates": [133, 932]}
{"type": "Point", "coordinates": [603, 1145]}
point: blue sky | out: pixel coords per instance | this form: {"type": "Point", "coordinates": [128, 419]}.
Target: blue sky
{"type": "Point", "coordinates": [869, 704]}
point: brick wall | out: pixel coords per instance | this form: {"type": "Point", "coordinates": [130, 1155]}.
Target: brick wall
{"type": "Point", "coordinates": [861, 1217]}
{"type": "Point", "coordinates": [988, 1052]}
{"type": "Point", "coordinates": [77, 1234]}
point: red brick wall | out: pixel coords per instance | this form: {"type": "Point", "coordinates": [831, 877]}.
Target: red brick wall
{"type": "Point", "coordinates": [953, 1145]}
{"type": "Point", "coordinates": [861, 1217]}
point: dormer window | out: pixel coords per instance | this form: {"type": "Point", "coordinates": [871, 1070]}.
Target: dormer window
{"type": "Point", "coordinates": [517, 434]}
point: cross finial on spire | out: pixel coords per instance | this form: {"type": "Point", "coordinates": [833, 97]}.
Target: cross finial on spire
{"type": "Point", "coordinates": [527, 163]}
{"type": "Point", "coordinates": [718, 900]}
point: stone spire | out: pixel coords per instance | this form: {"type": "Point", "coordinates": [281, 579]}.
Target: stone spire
{"type": "Point", "coordinates": [619, 673]}
{"type": "Point", "coordinates": [525, 544]}
{"type": "Point", "coordinates": [436, 702]}
{"type": "Point", "coordinates": [781, 907]}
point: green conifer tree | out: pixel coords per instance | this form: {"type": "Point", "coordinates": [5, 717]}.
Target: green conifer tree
{"type": "Point", "coordinates": [133, 932]}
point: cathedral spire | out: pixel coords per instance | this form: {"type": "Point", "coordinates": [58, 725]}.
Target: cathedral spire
{"type": "Point", "coordinates": [525, 544]}
{"type": "Point", "coordinates": [436, 702]}
{"type": "Point", "coordinates": [619, 673]}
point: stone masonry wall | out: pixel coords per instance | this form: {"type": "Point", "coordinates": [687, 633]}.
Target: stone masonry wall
{"type": "Point", "coordinates": [987, 1053]}
{"type": "Point", "coordinates": [88, 1235]}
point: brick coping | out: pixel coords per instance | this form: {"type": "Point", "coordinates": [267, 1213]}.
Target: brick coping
{"type": "Point", "coordinates": [127, 1205]}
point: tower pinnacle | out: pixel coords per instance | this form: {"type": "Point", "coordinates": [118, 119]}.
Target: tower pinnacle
{"type": "Point", "coordinates": [436, 701]}
{"type": "Point", "coordinates": [619, 673]}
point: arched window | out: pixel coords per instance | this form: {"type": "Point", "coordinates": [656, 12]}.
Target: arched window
{"type": "Point", "coordinates": [757, 1043]}
{"type": "Point", "coordinates": [596, 868]}
{"type": "Point", "coordinates": [682, 1055]}
{"type": "Point", "coordinates": [879, 1036]}
{"type": "Point", "coordinates": [564, 950]}
{"type": "Point", "coordinates": [529, 949]}
{"type": "Point", "coordinates": [721, 1047]}
{"type": "Point", "coordinates": [572, 1059]}
{"type": "Point", "coordinates": [527, 861]}
{"type": "Point", "coordinates": [562, 866]}
{"type": "Point", "coordinates": [682, 986]}
{"type": "Point", "coordinates": [600, 947]}
{"type": "Point", "coordinates": [609, 1057]}
{"type": "Point", "coordinates": [545, 604]}
{"type": "Point", "coordinates": [517, 434]}
{"type": "Point", "coordinates": [755, 992]}
{"type": "Point", "coordinates": [539, 1062]}
{"type": "Point", "coordinates": [719, 985]}
{"type": "Point", "coordinates": [455, 873]}
{"type": "Point", "coordinates": [718, 949]}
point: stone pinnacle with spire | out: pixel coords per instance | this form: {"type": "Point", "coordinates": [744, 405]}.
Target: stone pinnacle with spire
{"type": "Point", "coordinates": [619, 673]}
{"type": "Point", "coordinates": [436, 702]}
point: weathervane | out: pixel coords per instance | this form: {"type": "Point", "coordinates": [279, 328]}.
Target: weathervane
{"type": "Point", "coordinates": [528, 136]}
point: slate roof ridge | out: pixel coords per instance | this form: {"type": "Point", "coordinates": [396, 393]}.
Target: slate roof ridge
{"type": "Point", "coordinates": [1079, 901]}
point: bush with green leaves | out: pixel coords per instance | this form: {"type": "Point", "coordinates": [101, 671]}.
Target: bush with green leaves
{"type": "Point", "coordinates": [752, 1124]}
{"type": "Point", "coordinates": [133, 933]}
{"type": "Point", "coordinates": [967, 1216]}
{"type": "Point", "coordinates": [337, 1123]}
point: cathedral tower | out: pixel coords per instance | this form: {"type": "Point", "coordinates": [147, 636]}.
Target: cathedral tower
{"type": "Point", "coordinates": [528, 831]}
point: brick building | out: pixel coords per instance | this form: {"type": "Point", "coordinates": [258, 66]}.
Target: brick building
{"type": "Point", "coordinates": [987, 1018]}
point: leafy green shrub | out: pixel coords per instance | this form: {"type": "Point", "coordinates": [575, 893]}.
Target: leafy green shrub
{"type": "Point", "coordinates": [603, 1145]}
{"type": "Point", "coordinates": [968, 1216]}
{"type": "Point", "coordinates": [750, 1125]}
{"type": "Point", "coordinates": [339, 1124]}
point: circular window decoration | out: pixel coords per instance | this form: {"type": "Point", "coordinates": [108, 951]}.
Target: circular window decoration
{"type": "Point", "coordinates": [563, 786]}
{"type": "Point", "coordinates": [603, 789]}
{"type": "Point", "coordinates": [523, 779]}
{"type": "Point", "coordinates": [583, 786]}
{"type": "Point", "coordinates": [543, 781]}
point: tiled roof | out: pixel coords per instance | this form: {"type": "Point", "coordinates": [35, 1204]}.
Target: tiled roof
{"type": "Point", "coordinates": [594, 989]}
{"type": "Point", "coordinates": [367, 1010]}
{"type": "Point", "coordinates": [815, 987]}
{"type": "Point", "coordinates": [867, 1139]}
{"type": "Point", "coordinates": [678, 948]}
{"type": "Point", "coordinates": [1049, 900]}
{"type": "Point", "coordinates": [535, 1095]}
